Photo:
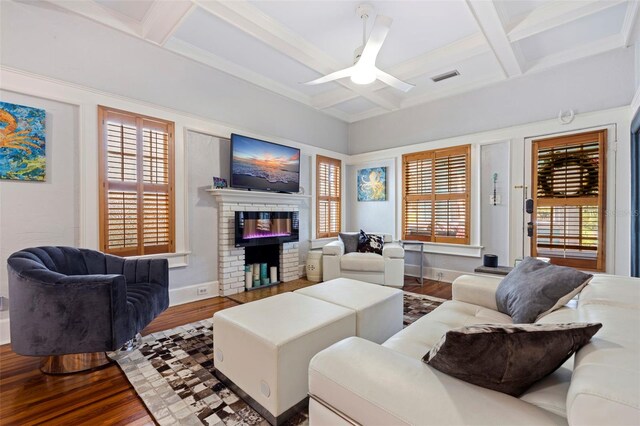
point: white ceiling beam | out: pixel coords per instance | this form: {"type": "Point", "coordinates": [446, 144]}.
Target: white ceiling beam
{"type": "Point", "coordinates": [630, 19]}
{"type": "Point", "coordinates": [431, 62]}
{"type": "Point", "coordinates": [252, 21]}
{"type": "Point", "coordinates": [486, 16]}
{"type": "Point", "coordinates": [164, 18]}
{"type": "Point", "coordinates": [583, 51]}
{"type": "Point", "coordinates": [554, 14]}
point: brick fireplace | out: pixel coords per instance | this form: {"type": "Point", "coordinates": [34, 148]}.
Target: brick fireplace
{"type": "Point", "coordinates": [231, 259]}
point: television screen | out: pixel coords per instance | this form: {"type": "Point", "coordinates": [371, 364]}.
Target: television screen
{"type": "Point", "coordinates": [268, 166]}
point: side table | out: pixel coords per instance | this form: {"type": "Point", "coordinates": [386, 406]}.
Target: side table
{"type": "Point", "coordinates": [421, 245]}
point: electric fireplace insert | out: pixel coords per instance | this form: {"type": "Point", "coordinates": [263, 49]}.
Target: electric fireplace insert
{"type": "Point", "coordinates": [266, 228]}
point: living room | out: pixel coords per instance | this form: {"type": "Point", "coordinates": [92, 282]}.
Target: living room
{"type": "Point", "coordinates": [479, 89]}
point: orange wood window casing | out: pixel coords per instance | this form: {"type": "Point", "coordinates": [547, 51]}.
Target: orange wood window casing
{"type": "Point", "coordinates": [436, 195]}
{"type": "Point", "coordinates": [136, 183]}
{"type": "Point", "coordinates": [569, 197]}
{"type": "Point", "coordinates": [328, 196]}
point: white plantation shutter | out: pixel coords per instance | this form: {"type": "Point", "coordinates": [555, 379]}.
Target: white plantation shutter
{"type": "Point", "coordinates": [136, 188]}
{"type": "Point", "coordinates": [328, 196]}
{"type": "Point", "coordinates": [569, 200]}
{"type": "Point", "coordinates": [436, 195]}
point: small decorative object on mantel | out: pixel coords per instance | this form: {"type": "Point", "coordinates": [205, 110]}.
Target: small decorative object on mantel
{"type": "Point", "coordinates": [22, 142]}
{"type": "Point", "coordinates": [219, 183]}
{"type": "Point", "coordinates": [372, 184]}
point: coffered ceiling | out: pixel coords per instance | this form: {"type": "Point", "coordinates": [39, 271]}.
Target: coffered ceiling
{"type": "Point", "coordinates": [280, 44]}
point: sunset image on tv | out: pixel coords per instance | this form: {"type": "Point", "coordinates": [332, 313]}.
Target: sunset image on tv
{"type": "Point", "coordinates": [258, 164]}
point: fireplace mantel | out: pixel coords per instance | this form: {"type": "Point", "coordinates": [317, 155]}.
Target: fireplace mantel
{"type": "Point", "coordinates": [243, 196]}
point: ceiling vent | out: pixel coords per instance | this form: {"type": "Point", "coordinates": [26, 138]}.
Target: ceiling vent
{"type": "Point", "coordinates": [445, 76]}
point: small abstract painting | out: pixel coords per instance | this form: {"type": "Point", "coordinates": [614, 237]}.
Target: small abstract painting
{"type": "Point", "coordinates": [22, 142]}
{"type": "Point", "coordinates": [372, 184]}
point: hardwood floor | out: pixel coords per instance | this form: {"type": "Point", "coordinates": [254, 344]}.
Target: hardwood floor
{"type": "Point", "coordinates": [28, 397]}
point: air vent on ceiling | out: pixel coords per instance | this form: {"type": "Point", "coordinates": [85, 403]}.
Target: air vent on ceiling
{"type": "Point", "coordinates": [445, 76]}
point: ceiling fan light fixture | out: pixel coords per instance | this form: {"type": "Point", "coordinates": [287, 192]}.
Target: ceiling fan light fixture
{"type": "Point", "coordinates": [363, 75]}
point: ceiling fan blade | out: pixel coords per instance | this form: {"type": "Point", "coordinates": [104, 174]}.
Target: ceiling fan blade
{"type": "Point", "coordinates": [376, 38]}
{"type": "Point", "coordinates": [393, 81]}
{"type": "Point", "coordinates": [330, 77]}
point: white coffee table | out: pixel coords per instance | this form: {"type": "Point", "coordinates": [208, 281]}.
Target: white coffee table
{"type": "Point", "coordinates": [379, 309]}
{"type": "Point", "coordinates": [262, 349]}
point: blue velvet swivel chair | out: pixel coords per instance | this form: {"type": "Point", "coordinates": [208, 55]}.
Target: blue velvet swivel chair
{"type": "Point", "coordinates": [71, 305]}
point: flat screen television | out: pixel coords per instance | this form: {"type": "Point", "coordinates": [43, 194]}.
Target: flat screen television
{"type": "Point", "coordinates": [262, 165]}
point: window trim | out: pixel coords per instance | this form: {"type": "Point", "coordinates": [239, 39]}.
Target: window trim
{"type": "Point", "coordinates": [575, 139]}
{"type": "Point", "coordinates": [433, 154]}
{"type": "Point", "coordinates": [103, 184]}
{"type": "Point", "coordinates": [334, 161]}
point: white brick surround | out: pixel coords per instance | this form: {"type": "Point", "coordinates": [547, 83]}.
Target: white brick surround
{"type": "Point", "coordinates": [231, 258]}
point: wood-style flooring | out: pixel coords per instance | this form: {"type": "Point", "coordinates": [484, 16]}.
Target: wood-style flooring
{"type": "Point", "coordinates": [105, 397]}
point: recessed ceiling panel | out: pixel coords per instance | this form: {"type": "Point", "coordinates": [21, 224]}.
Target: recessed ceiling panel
{"type": "Point", "coordinates": [207, 32]}
{"type": "Point", "coordinates": [574, 34]}
{"type": "Point", "coordinates": [135, 9]}
{"type": "Point", "coordinates": [418, 26]}
{"type": "Point", "coordinates": [355, 106]}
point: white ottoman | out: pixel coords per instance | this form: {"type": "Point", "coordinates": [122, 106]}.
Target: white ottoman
{"type": "Point", "coordinates": [264, 348]}
{"type": "Point", "coordinates": [379, 309]}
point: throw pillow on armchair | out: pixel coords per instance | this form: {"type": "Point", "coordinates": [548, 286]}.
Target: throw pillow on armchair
{"type": "Point", "coordinates": [370, 243]}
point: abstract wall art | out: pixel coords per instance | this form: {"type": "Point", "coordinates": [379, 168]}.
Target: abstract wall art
{"type": "Point", "coordinates": [22, 142]}
{"type": "Point", "coordinates": [372, 184]}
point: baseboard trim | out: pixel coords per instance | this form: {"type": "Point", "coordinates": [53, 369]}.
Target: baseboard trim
{"type": "Point", "coordinates": [448, 275]}
{"type": "Point", "coordinates": [177, 296]}
{"type": "Point", "coordinates": [188, 294]}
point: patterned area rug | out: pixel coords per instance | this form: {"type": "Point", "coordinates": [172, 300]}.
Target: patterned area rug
{"type": "Point", "coordinates": [172, 371]}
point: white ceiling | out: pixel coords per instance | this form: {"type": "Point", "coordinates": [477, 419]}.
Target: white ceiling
{"type": "Point", "coordinates": [280, 44]}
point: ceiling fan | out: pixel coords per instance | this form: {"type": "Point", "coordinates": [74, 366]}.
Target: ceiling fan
{"type": "Point", "coordinates": [364, 70]}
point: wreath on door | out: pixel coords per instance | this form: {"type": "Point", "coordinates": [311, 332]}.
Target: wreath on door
{"type": "Point", "coordinates": [588, 170]}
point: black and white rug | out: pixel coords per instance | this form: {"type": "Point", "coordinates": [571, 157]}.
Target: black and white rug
{"type": "Point", "coordinates": [172, 371]}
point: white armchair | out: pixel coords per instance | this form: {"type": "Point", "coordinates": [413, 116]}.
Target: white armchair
{"type": "Point", "coordinates": [387, 269]}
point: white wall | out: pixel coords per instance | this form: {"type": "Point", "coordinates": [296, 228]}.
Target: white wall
{"type": "Point", "coordinates": [43, 213]}
{"type": "Point", "coordinates": [370, 216]}
{"type": "Point", "coordinates": [39, 38]}
{"type": "Point", "coordinates": [592, 84]}
{"type": "Point", "coordinates": [498, 229]}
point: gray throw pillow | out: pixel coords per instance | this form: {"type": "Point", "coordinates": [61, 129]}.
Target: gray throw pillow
{"type": "Point", "coordinates": [350, 240]}
{"type": "Point", "coordinates": [534, 288]}
{"type": "Point", "coordinates": [508, 358]}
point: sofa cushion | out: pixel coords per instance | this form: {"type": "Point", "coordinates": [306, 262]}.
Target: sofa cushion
{"type": "Point", "coordinates": [369, 262]}
{"type": "Point", "coordinates": [426, 332]}
{"type": "Point", "coordinates": [350, 241]}
{"type": "Point", "coordinates": [370, 243]}
{"type": "Point", "coordinates": [535, 288]}
{"type": "Point", "coordinates": [508, 358]}
{"type": "Point", "coordinates": [611, 290]}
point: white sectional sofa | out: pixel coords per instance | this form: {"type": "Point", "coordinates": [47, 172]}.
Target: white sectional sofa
{"type": "Point", "coordinates": [359, 381]}
{"type": "Point", "coordinates": [386, 269]}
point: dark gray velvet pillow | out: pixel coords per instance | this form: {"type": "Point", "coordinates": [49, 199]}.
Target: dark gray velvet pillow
{"type": "Point", "coordinates": [350, 240]}
{"type": "Point", "coordinates": [535, 287]}
{"type": "Point", "coordinates": [508, 358]}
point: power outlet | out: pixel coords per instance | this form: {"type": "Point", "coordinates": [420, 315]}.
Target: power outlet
{"type": "Point", "coordinates": [202, 291]}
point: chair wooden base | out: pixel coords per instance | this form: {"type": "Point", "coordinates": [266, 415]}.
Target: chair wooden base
{"type": "Point", "coordinates": [73, 363]}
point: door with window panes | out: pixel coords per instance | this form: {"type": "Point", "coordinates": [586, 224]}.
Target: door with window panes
{"type": "Point", "coordinates": [569, 195]}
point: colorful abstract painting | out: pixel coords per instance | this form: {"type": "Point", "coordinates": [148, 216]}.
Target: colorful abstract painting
{"type": "Point", "coordinates": [372, 184]}
{"type": "Point", "coordinates": [22, 142]}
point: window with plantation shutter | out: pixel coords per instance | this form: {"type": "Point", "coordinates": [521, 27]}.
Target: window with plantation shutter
{"type": "Point", "coordinates": [436, 195]}
{"type": "Point", "coordinates": [328, 196]}
{"type": "Point", "coordinates": [569, 200]}
{"type": "Point", "coordinates": [136, 183]}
